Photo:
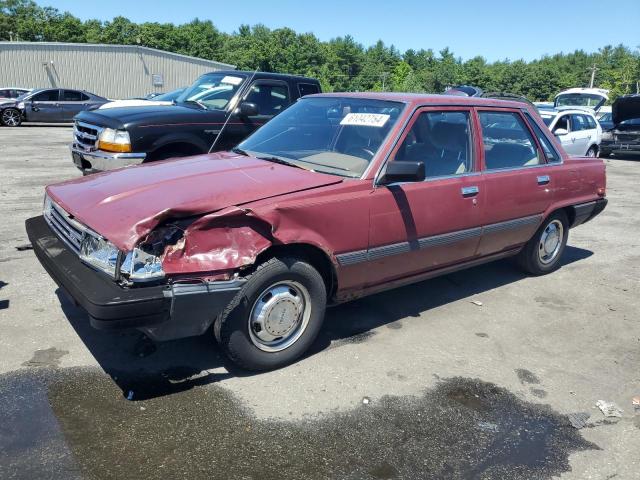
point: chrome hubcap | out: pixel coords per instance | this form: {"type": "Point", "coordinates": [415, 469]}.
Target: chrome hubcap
{"type": "Point", "coordinates": [10, 117]}
{"type": "Point", "coordinates": [279, 316]}
{"type": "Point", "coordinates": [550, 242]}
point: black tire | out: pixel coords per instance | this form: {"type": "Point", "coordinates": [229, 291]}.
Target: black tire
{"type": "Point", "coordinates": [231, 329]}
{"type": "Point", "coordinates": [11, 117]}
{"type": "Point", "coordinates": [592, 152]}
{"type": "Point", "coordinates": [165, 155]}
{"type": "Point", "coordinates": [529, 259]}
{"type": "Point", "coordinates": [604, 153]}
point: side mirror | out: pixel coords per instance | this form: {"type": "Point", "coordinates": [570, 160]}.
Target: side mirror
{"type": "Point", "coordinates": [558, 132]}
{"type": "Point", "coordinates": [248, 109]}
{"type": "Point", "coordinates": [403, 172]}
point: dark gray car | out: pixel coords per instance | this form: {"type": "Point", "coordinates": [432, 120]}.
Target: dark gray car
{"type": "Point", "coordinates": [48, 105]}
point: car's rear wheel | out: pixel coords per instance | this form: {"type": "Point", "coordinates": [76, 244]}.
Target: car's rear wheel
{"type": "Point", "coordinates": [543, 252]}
{"type": "Point", "coordinates": [276, 316]}
{"type": "Point", "coordinates": [592, 152]}
{"type": "Point", "coordinates": [11, 117]}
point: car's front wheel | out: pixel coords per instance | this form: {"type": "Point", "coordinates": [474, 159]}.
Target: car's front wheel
{"type": "Point", "coordinates": [275, 317]}
{"type": "Point", "coordinates": [543, 252]}
{"type": "Point", "coordinates": [11, 117]}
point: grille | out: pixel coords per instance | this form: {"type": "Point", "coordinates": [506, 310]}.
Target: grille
{"type": "Point", "coordinates": [628, 137]}
{"type": "Point", "coordinates": [64, 225]}
{"type": "Point", "coordinates": [86, 136]}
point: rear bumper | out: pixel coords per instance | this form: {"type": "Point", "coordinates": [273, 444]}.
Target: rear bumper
{"type": "Point", "coordinates": [100, 161]}
{"type": "Point", "coordinates": [587, 211]}
{"type": "Point", "coordinates": [164, 312]}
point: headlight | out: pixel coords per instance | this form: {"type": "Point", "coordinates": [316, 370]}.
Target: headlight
{"type": "Point", "coordinates": [140, 266]}
{"type": "Point", "coordinates": [99, 253]}
{"type": "Point", "coordinates": [607, 136]}
{"type": "Point", "coordinates": [112, 140]}
{"type": "Point", "coordinates": [20, 105]}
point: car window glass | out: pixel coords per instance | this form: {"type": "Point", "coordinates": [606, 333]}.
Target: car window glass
{"type": "Point", "coordinates": [73, 96]}
{"type": "Point", "coordinates": [46, 96]}
{"type": "Point", "coordinates": [442, 141]}
{"type": "Point", "coordinates": [308, 89]}
{"type": "Point", "coordinates": [563, 122]}
{"type": "Point", "coordinates": [5, 93]}
{"type": "Point", "coordinates": [591, 123]}
{"type": "Point", "coordinates": [270, 99]}
{"type": "Point", "coordinates": [549, 151]}
{"type": "Point", "coordinates": [507, 141]}
{"type": "Point", "coordinates": [578, 123]}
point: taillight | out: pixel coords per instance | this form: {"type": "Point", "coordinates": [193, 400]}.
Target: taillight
{"type": "Point", "coordinates": [602, 192]}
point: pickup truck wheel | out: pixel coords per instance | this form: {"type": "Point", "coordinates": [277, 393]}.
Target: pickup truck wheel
{"type": "Point", "coordinates": [542, 254]}
{"type": "Point", "coordinates": [276, 316]}
{"type": "Point", "coordinates": [11, 117]}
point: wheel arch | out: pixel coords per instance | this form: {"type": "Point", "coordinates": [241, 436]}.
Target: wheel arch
{"type": "Point", "coordinates": [317, 257]}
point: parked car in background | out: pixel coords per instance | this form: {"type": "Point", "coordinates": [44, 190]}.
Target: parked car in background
{"type": "Point", "coordinates": [606, 122]}
{"type": "Point", "coordinates": [229, 104]}
{"type": "Point", "coordinates": [12, 92]}
{"type": "Point", "coordinates": [543, 105]}
{"type": "Point", "coordinates": [48, 105]}
{"type": "Point", "coordinates": [583, 98]}
{"type": "Point", "coordinates": [624, 135]}
{"type": "Point", "coordinates": [339, 196]}
{"type": "Point", "coordinates": [464, 91]}
{"type": "Point", "coordinates": [578, 130]}
{"type": "Point", "coordinates": [162, 99]}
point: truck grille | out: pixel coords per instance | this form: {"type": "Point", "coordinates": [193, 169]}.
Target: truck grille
{"type": "Point", "coordinates": [86, 136]}
{"type": "Point", "coordinates": [64, 225]}
{"type": "Point", "coordinates": [628, 137]}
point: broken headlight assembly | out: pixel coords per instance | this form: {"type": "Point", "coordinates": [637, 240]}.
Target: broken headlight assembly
{"type": "Point", "coordinates": [144, 263]}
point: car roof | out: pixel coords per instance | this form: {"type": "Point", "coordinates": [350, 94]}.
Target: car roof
{"type": "Point", "coordinates": [268, 75]}
{"type": "Point", "coordinates": [426, 99]}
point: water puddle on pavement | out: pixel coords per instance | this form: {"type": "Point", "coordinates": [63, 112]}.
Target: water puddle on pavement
{"type": "Point", "coordinates": [75, 423]}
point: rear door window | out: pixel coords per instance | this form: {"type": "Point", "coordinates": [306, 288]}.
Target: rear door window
{"type": "Point", "coordinates": [507, 141]}
{"type": "Point", "coordinates": [73, 96]}
{"type": "Point", "coordinates": [440, 139]}
{"type": "Point", "coordinates": [578, 122]}
{"type": "Point", "coordinates": [591, 123]}
{"type": "Point", "coordinates": [46, 96]}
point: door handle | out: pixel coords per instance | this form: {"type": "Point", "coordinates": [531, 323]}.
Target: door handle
{"type": "Point", "coordinates": [543, 179]}
{"type": "Point", "coordinates": [469, 191]}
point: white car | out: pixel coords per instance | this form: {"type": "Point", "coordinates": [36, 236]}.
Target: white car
{"type": "Point", "coordinates": [584, 98]}
{"type": "Point", "coordinates": [577, 130]}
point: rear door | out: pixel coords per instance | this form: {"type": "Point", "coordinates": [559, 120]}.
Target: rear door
{"type": "Point", "coordinates": [421, 226]}
{"type": "Point", "coordinates": [580, 133]}
{"type": "Point", "coordinates": [73, 102]}
{"type": "Point", "coordinates": [45, 107]}
{"type": "Point", "coordinates": [519, 183]}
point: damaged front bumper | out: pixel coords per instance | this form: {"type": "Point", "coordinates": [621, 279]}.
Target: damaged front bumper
{"type": "Point", "coordinates": [163, 312]}
{"type": "Point", "coordinates": [101, 161]}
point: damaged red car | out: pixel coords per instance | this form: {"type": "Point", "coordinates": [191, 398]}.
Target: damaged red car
{"type": "Point", "coordinates": [339, 196]}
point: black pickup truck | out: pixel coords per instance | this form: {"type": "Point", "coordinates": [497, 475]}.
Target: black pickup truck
{"type": "Point", "coordinates": [105, 139]}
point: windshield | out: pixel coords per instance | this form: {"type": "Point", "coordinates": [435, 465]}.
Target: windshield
{"type": "Point", "coordinates": [579, 99]}
{"type": "Point", "coordinates": [331, 135]}
{"type": "Point", "coordinates": [169, 96]}
{"type": "Point", "coordinates": [212, 91]}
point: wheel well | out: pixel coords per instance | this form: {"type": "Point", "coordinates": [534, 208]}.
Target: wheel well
{"type": "Point", "coordinates": [314, 255]}
{"type": "Point", "coordinates": [569, 211]}
{"type": "Point", "coordinates": [180, 148]}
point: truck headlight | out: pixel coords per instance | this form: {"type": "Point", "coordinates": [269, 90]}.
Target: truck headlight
{"type": "Point", "coordinates": [111, 140]}
{"type": "Point", "coordinates": [99, 253]}
{"type": "Point", "coordinates": [140, 266]}
{"type": "Point", "coordinates": [607, 136]}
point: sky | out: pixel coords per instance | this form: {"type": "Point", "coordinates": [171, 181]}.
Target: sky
{"type": "Point", "coordinates": [494, 29]}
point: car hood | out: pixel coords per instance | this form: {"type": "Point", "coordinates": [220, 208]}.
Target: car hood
{"type": "Point", "coordinates": [134, 103]}
{"type": "Point", "coordinates": [625, 108]}
{"type": "Point", "coordinates": [124, 205]}
{"type": "Point", "coordinates": [124, 117]}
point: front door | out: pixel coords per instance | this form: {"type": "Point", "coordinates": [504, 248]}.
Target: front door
{"type": "Point", "coordinates": [420, 226]}
{"type": "Point", "coordinates": [519, 183]}
{"type": "Point", "coordinates": [44, 107]}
